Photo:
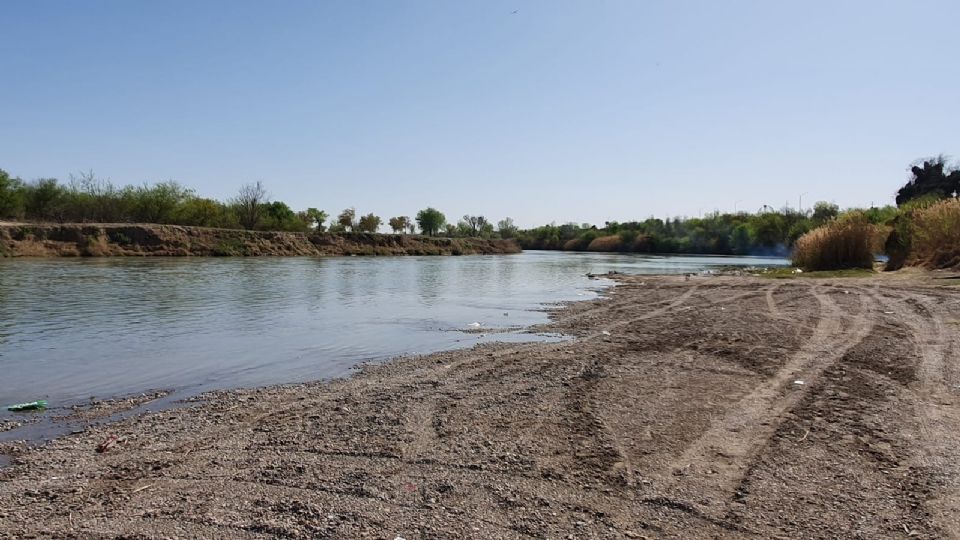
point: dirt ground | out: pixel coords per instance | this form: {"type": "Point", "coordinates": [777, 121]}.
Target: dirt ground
{"type": "Point", "coordinates": [715, 407]}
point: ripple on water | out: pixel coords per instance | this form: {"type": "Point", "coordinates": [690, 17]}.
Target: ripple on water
{"type": "Point", "coordinates": [71, 329]}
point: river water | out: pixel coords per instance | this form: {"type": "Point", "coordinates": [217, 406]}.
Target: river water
{"type": "Point", "coordinates": [75, 328]}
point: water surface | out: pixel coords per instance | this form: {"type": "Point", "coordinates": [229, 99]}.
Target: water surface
{"type": "Point", "coordinates": [75, 328]}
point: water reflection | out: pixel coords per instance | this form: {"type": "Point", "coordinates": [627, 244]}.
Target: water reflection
{"type": "Point", "coordinates": [70, 329]}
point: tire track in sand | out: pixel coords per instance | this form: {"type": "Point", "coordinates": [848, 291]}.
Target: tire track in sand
{"type": "Point", "coordinates": [716, 462]}
{"type": "Point", "coordinates": [772, 302]}
{"type": "Point", "coordinates": [608, 307]}
{"type": "Point", "coordinates": [421, 418]}
{"type": "Point", "coordinates": [937, 408]}
{"type": "Point", "coordinates": [615, 456]}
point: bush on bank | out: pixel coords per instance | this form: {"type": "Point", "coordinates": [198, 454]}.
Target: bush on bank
{"type": "Point", "coordinates": [845, 243]}
{"type": "Point", "coordinates": [935, 235]}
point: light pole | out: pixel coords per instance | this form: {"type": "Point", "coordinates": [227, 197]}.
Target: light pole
{"type": "Point", "coordinates": [800, 201]}
{"type": "Point", "coordinates": [735, 205]}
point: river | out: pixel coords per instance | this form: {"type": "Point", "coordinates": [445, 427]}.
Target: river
{"type": "Point", "coordinates": [71, 329]}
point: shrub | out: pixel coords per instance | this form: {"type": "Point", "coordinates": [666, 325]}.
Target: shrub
{"type": "Point", "coordinates": [628, 236]}
{"type": "Point", "coordinates": [572, 245]}
{"type": "Point", "coordinates": [935, 235]}
{"type": "Point", "coordinates": [845, 243]}
{"type": "Point", "coordinates": [898, 243]}
{"type": "Point", "coordinates": [643, 244]}
{"type": "Point", "coordinates": [120, 238]}
{"type": "Point", "coordinates": [605, 243]}
{"type": "Point", "coordinates": [230, 247]}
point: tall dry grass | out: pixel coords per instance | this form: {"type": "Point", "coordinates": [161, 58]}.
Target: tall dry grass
{"type": "Point", "coordinates": [606, 243]}
{"type": "Point", "coordinates": [848, 242]}
{"type": "Point", "coordinates": [935, 235]}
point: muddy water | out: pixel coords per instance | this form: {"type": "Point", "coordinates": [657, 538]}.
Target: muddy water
{"type": "Point", "coordinates": [72, 329]}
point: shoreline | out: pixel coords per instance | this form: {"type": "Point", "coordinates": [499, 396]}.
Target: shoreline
{"type": "Point", "coordinates": [151, 240]}
{"type": "Point", "coordinates": [674, 412]}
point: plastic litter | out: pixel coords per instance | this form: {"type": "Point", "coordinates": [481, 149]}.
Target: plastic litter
{"type": "Point", "coordinates": [474, 325]}
{"type": "Point", "coordinates": [605, 333]}
{"type": "Point", "coordinates": [37, 405]}
{"type": "Point", "coordinates": [798, 382]}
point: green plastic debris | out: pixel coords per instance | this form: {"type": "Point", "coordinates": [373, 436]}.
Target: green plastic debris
{"type": "Point", "coordinates": [37, 405]}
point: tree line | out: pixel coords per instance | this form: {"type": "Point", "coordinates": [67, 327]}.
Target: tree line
{"type": "Point", "coordinates": [768, 232]}
{"type": "Point", "coordinates": [85, 198]}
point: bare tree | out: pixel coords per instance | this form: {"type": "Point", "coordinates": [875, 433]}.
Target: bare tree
{"type": "Point", "coordinates": [474, 224]}
{"type": "Point", "coordinates": [249, 204]}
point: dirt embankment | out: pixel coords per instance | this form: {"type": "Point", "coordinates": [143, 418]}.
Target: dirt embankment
{"type": "Point", "coordinates": [74, 240]}
{"type": "Point", "coordinates": [717, 407]}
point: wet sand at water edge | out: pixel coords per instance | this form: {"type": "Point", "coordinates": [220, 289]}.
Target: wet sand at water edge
{"type": "Point", "coordinates": [715, 407]}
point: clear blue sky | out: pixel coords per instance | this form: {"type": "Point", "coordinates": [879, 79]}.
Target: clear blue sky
{"type": "Point", "coordinates": [563, 111]}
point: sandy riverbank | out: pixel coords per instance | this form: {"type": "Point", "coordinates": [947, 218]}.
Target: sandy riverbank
{"type": "Point", "coordinates": [678, 413]}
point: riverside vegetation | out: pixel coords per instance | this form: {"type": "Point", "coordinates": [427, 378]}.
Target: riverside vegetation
{"type": "Point", "coordinates": [922, 229]}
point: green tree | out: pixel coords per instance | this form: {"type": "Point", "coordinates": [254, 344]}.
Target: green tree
{"type": "Point", "coordinates": [824, 212]}
{"type": "Point", "coordinates": [431, 221]}
{"type": "Point", "coordinates": [399, 224]}
{"type": "Point", "coordinates": [474, 225]}
{"type": "Point", "coordinates": [11, 196]}
{"type": "Point", "coordinates": [369, 223]}
{"type": "Point", "coordinates": [202, 212]}
{"type": "Point", "coordinates": [278, 216]}
{"type": "Point", "coordinates": [769, 230]}
{"type": "Point", "coordinates": [155, 204]}
{"type": "Point", "coordinates": [486, 230]}
{"type": "Point", "coordinates": [44, 200]}
{"type": "Point", "coordinates": [347, 218]}
{"type": "Point", "coordinates": [461, 229]}
{"type": "Point", "coordinates": [315, 218]}
{"type": "Point", "coordinates": [797, 230]}
{"type": "Point", "coordinates": [506, 228]}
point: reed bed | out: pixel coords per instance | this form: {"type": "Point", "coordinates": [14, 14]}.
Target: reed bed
{"type": "Point", "coordinates": [606, 243]}
{"type": "Point", "coordinates": [935, 235]}
{"type": "Point", "coordinates": [849, 242]}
